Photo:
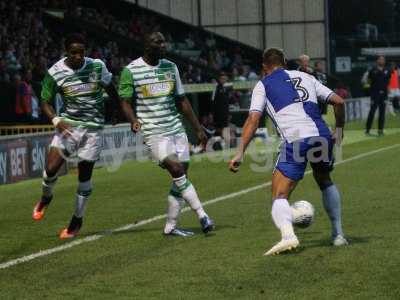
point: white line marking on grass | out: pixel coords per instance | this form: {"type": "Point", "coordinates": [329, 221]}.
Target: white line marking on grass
{"type": "Point", "coordinates": [95, 237]}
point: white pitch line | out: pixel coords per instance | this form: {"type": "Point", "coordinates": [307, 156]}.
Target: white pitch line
{"type": "Point", "coordinates": [95, 237]}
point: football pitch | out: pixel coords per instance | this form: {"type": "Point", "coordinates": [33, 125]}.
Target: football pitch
{"type": "Point", "coordinates": [137, 262]}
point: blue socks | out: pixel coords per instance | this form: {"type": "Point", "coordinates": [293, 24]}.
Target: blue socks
{"type": "Point", "coordinates": [331, 201]}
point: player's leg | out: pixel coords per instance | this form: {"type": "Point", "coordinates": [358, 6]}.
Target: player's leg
{"type": "Point", "coordinates": [332, 204]}
{"type": "Point", "coordinates": [187, 190]}
{"type": "Point", "coordinates": [322, 164]}
{"type": "Point", "coordinates": [88, 153]}
{"type": "Point", "coordinates": [85, 170]}
{"type": "Point", "coordinates": [281, 212]}
{"type": "Point", "coordinates": [55, 159]}
{"type": "Point", "coordinates": [288, 171]}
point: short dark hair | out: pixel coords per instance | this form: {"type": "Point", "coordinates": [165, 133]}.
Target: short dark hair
{"type": "Point", "coordinates": [274, 56]}
{"type": "Point", "coordinates": [74, 38]}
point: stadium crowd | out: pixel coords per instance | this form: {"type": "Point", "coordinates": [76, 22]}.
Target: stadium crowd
{"type": "Point", "coordinates": [28, 46]}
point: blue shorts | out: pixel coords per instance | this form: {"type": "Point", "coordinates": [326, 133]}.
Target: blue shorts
{"type": "Point", "coordinates": [293, 157]}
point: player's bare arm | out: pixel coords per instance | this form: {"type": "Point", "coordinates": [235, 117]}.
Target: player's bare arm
{"type": "Point", "coordinates": [339, 110]}
{"type": "Point", "coordinates": [130, 114]}
{"type": "Point", "coordinates": [249, 128]}
{"type": "Point", "coordinates": [62, 126]}
{"type": "Point", "coordinates": [185, 108]}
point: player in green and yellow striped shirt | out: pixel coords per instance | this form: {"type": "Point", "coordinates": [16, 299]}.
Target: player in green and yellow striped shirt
{"type": "Point", "coordinates": [155, 84]}
{"type": "Point", "coordinates": [80, 81]}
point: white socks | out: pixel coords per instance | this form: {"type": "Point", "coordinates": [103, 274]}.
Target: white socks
{"type": "Point", "coordinates": [82, 195]}
{"type": "Point", "coordinates": [282, 217]}
{"type": "Point", "coordinates": [189, 194]}
{"type": "Point", "coordinates": [48, 184]}
{"type": "Point", "coordinates": [174, 208]}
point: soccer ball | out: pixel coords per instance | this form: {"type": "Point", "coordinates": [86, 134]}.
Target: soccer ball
{"type": "Point", "coordinates": [302, 213]}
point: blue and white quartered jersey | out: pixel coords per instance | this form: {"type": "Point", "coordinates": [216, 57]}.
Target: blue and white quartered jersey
{"type": "Point", "coordinates": [291, 100]}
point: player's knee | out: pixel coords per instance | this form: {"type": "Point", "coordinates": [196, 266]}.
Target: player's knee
{"type": "Point", "coordinates": [280, 194]}
{"type": "Point", "coordinates": [323, 179]}
{"type": "Point", "coordinates": [323, 182]}
{"type": "Point", "coordinates": [49, 174]}
{"type": "Point", "coordinates": [176, 169]}
{"type": "Point", "coordinates": [85, 188]}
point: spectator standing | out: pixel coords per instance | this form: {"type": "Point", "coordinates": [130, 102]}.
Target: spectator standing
{"type": "Point", "coordinates": [320, 75]}
{"type": "Point", "coordinates": [23, 99]}
{"type": "Point", "coordinates": [220, 99]}
{"type": "Point", "coordinates": [341, 90]}
{"type": "Point", "coordinates": [394, 87]}
{"type": "Point", "coordinates": [304, 64]}
{"type": "Point", "coordinates": [379, 79]}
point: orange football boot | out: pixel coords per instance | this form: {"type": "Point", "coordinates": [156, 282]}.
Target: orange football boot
{"type": "Point", "coordinates": [39, 211]}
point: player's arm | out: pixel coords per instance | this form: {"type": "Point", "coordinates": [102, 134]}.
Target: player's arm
{"type": "Point", "coordinates": [125, 92]}
{"type": "Point", "coordinates": [339, 109]}
{"type": "Point", "coordinates": [249, 128]}
{"type": "Point", "coordinates": [183, 105]}
{"type": "Point", "coordinates": [325, 95]}
{"type": "Point", "coordinates": [258, 101]}
{"type": "Point", "coordinates": [186, 110]}
{"type": "Point", "coordinates": [48, 93]}
{"type": "Point", "coordinates": [113, 94]}
{"type": "Point", "coordinates": [109, 87]}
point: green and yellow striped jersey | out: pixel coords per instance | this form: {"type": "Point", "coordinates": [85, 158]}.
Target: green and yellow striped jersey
{"type": "Point", "coordinates": [155, 89]}
{"type": "Point", "coordinates": [81, 90]}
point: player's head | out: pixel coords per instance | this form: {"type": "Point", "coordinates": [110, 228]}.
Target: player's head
{"type": "Point", "coordinates": [154, 45]}
{"type": "Point", "coordinates": [273, 58]}
{"type": "Point", "coordinates": [75, 47]}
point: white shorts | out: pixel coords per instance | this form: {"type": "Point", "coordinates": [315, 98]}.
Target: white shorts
{"type": "Point", "coordinates": [84, 143]}
{"type": "Point", "coordinates": [163, 146]}
{"type": "Point", "coordinates": [393, 93]}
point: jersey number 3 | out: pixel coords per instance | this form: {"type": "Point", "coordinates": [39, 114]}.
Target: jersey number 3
{"type": "Point", "coordinates": [301, 90]}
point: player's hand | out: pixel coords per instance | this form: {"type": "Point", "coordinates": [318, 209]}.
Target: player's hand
{"type": "Point", "coordinates": [64, 128]}
{"type": "Point", "coordinates": [202, 137]}
{"type": "Point", "coordinates": [338, 135]}
{"type": "Point", "coordinates": [235, 162]}
{"type": "Point", "coordinates": [135, 126]}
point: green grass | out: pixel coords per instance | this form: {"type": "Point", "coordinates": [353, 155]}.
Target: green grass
{"type": "Point", "coordinates": [143, 264]}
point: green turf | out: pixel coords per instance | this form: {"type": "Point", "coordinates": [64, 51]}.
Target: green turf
{"type": "Point", "coordinates": [142, 264]}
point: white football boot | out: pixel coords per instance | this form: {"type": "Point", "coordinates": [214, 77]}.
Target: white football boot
{"type": "Point", "coordinates": [339, 240]}
{"type": "Point", "coordinates": [283, 245]}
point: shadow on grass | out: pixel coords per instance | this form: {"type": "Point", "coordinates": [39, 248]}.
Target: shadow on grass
{"type": "Point", "coordinates": [196, 230]}
{"type": "Point", "coordinates": [307, 244]}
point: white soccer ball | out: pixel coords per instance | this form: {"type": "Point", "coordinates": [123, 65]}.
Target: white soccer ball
{"type": "Point", "coordinates": [303, 213]}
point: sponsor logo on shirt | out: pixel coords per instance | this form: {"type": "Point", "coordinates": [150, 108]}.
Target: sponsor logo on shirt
{"type": "Point", "coordinates": [158, 89]}
{"type": "Point", "coordinates": [80, 88]}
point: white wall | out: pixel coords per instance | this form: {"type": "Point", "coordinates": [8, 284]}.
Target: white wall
{"type": "Point", "coordinates": [294, 25]}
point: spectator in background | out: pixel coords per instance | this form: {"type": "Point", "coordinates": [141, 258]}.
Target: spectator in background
{"type": "Point", "coordinates": [220, 100]}
{"type": "Point", "coordinates": [320, 75]}
{"type": "Point", "coordinates": [341, 90]}
{"type": "Point", "coordinates": [394, 87]}
{"type": "Point", "coordinates": [379, 79]}
{"type": "Point", "coordinates": [23, 99]}
{"type": "Point", "coordinates": [304, 64]}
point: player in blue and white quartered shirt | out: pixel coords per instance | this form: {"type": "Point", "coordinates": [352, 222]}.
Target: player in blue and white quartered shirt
{"type": "Point", "coordinates": [291, 101]}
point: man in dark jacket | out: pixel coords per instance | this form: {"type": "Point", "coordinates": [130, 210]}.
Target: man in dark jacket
{"type": "Point", "coordinates": [220, 99]}
{"type": "Point", "coordinates": [379, 79]}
